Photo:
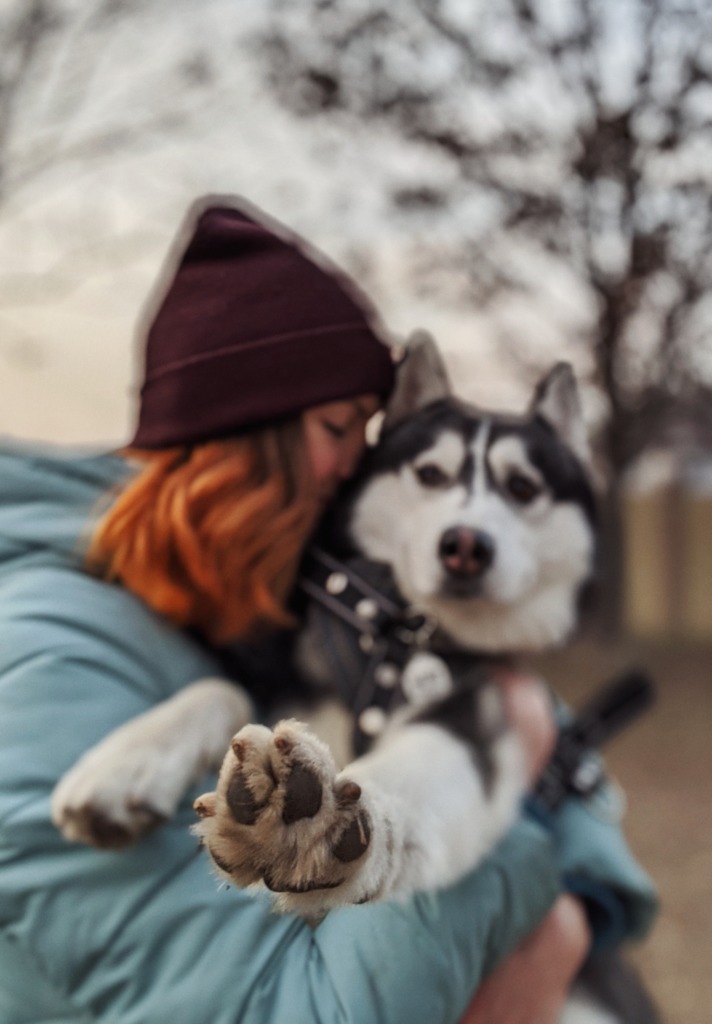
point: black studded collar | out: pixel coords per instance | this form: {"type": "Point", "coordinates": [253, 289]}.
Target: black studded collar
{"type": "Point", "coordinates": [382, 652]}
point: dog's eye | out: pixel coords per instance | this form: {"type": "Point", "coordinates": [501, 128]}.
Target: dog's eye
{"type": "Point", "coordinates": [431, 475]}
{"type": "Point", "coordinates": [522, 489]}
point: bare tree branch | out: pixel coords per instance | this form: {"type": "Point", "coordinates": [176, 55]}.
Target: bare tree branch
{"type": "Point", "coordinates": [609, 211]}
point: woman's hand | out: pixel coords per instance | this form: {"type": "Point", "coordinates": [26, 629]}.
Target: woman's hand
{"type": "Point", "coordinates": [530, 712]}
{"type": "Point", "coordinates": [532, 984]}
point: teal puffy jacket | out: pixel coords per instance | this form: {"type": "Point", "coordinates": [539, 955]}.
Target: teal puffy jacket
{"type": "Point", "coordinates": [147, 936]}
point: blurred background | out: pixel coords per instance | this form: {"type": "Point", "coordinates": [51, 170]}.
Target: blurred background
{"type": "Point", "coordinates": [530, 180]}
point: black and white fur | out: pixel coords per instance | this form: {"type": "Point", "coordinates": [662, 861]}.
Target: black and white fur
{"type": "Point", "coordinates": [453, 486]}
{"type": "Point", "coordinates": [486, 523]}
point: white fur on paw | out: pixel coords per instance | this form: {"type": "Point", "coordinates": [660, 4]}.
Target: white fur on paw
{"type": "Point", "coordinates": [135, 778]}
{"type": "Point", "coordinates": [114, 794]}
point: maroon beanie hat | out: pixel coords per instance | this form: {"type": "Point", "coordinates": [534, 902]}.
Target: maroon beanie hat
{"type": "Point", "coordinates": [254, 327]}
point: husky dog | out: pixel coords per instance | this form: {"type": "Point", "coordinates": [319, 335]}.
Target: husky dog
{"type": "Point", "coordinates": [481, 526]}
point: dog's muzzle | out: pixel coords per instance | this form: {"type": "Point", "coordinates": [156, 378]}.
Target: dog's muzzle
{"type": "Point", "coordinates": [466, 555]}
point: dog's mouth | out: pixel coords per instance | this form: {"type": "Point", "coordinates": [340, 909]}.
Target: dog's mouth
{"type": "Point", "coordinates": [462, 587]}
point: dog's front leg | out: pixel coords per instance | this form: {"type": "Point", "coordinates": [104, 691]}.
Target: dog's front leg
{"type": "Point", "coordinates": [449, 800]}
{"type": "Point", "coordinates": [134, 778]}
{"type": "Point", "coordinates": [417, 813]}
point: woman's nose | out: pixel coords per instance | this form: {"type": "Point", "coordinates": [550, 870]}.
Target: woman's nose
{"type": "Point", "coordinates": [349, 464]}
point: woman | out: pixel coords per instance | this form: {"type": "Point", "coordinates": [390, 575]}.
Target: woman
{"type": "Point", "coordinates": [262, 367]}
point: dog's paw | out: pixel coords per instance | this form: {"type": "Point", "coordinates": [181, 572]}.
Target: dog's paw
{"type": "Point", "coordinates": [116, 793]}
{"type": "Point", "coordinates": [283, 816]}
{"type": "Point", "coordinates": [135, 778]}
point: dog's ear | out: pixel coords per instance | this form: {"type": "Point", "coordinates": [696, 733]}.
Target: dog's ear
{"type": "Point", "coordinates": [556, 400]}
{"type": "Point", "coordinates": [421, 379]}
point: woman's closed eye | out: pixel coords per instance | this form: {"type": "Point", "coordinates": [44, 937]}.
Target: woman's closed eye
{"type": "Point", "coordinates": [335, 429]}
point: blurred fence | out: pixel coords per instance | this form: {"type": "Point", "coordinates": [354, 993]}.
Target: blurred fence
{"type": "Point", "coordinates": [668, 558]}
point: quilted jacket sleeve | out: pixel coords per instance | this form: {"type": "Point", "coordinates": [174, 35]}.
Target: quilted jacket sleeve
{"type": "Point", "coordinates": [597, 865]}
{"type": "Point", "coordinates": [595, 861]}
{"type": "Point", "coordinates": [147, 935]}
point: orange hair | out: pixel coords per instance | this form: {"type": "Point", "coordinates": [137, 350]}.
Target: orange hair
{"type": "Point", "coordinates": [211, 535]}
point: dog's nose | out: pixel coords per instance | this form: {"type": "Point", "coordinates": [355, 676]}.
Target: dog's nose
{"type": "Point", "coordinates": [466, 552]}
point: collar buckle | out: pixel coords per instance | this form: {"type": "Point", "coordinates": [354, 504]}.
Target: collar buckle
{"type": "Point", "coordinates": [416, 628]}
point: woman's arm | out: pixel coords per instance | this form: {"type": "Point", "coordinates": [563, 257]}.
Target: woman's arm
{"type": "Point", "coordinates": [595, 861]}
{"type": "Point", "coordinates": [612, 893]}
{"type": "Point", "coordinates": [147, 934]}
{"type": "Point", "coordinates": [532, 984]}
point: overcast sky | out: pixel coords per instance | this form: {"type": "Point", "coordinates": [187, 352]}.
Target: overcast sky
{"type": "Point", "coordinates": [108, 148]}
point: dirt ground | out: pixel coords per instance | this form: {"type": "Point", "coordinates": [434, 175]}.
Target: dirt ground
{"type": "Point", "coordinates": [664, 763]}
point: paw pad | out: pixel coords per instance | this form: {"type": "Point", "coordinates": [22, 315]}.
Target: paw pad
{"type": "Point", "coordinates": [302, 795]}
{"type": "Point", "coordinates": [354, 840]}
{"type": "Point", "coordinates": [241, 800]}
